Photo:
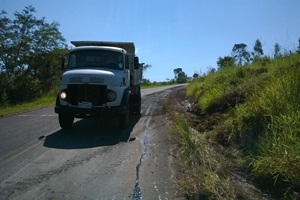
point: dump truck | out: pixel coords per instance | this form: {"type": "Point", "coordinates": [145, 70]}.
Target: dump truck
{"type": "Point", "coordinates": [101, 79]}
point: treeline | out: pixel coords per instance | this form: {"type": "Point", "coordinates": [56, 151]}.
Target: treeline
{"type": "Point", "coordinates": [30, 52]}
{"type": "Point", "coordinates": [240, 56]}
{"type": "Point", "coordinates": [179, 77]}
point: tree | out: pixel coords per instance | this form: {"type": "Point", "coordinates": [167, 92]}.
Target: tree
{"type": "Point", "coordinates": [211, 70]}
{"type": "Point", "coordinates": [146, 81]}
{"type": "Point", "coordinates": [240, 54]}
{"type": "Point", "coordinates": [26, 43]}
{"type": "Point", "coordinates": [146, 66]}
{"type": "Point", "coordinates": [196, 75]}
{"type": "Point", "coordinates": [277, 51]}
{"type": "Point", "coordinates": [176, 72]}
{"type": "Point", "coordinates": [226, 61]}
{"type": "Point", "coordinates": [258, 51]}
{"type": "Point", "coordinates": [180, 76]}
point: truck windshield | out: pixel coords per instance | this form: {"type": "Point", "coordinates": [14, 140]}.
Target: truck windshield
{"type": "Point", "coordinates": [96, 58]}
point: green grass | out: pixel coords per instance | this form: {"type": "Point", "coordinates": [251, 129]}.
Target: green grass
{"type": "Point", "coordinates": [261, 105]}
{"type": "Point", "coordinates": [279, 144]}
{"type": "Point", "coordinates": [221, 90]}
{"type": "Point", "coordinates": [47, 100]}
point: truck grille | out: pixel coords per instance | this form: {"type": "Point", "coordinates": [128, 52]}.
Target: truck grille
{"type": "Point", "coordinates": [96, 94]}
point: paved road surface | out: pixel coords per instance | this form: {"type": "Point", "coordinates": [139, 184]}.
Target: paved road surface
{"type": "Point", "coordinates": [94, 160]}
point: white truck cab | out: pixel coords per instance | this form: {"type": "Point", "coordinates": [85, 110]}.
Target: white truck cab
{"type": "Point", "coordinates": [101, 78]}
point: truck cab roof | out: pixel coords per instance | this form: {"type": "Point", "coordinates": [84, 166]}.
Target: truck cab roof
{"type": "Point", "coordinates": [128, 46]}
{"type": "Point", "coordinates": [99, 48]}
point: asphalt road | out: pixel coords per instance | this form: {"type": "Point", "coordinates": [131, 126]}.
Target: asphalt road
{"type": "Point", "coordinates": [94, 160]}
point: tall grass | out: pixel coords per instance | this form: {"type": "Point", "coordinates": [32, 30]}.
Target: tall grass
{"type": "Point", "coordinates": [205, 169]}
{"type": "Point", "coordinates": [224, 89]}
{"type": "Point", "coordinates": [279, 145]}
{"type": "Point", "coordinates": [262, 105]}
{"type": "Point", "coordinates": [279, 149]}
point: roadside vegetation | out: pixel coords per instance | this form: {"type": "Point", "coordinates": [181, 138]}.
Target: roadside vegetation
{"type": "Point", "coordinates": [41, 102]}
{"type": "Point", "coordinates": [30, 59]}
{"type": "Point", "coordinates": [242, 126]}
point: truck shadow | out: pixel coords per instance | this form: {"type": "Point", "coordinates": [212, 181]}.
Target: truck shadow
{"type": "Point", "coordinates": [89, 133]}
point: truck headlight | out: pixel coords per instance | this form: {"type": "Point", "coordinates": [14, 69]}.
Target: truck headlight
{"type": "Point", "coordinates": [111, 96]}
{"type": "Point", "coordinates": [63, 95]}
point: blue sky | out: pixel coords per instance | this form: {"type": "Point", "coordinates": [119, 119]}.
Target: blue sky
{"type": "Point", "coordinates": [190, 34]}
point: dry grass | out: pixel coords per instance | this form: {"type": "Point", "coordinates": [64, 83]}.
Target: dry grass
{"type": "Point", "coordinates": [209, 170]}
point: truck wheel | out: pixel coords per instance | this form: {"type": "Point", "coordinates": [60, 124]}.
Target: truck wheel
{"type": "Point", "coordinates": [135, 103]}
{"type": "Point", "coordinates": [124, 118]}
{"type": "Point", "coordinates": [138, 106]}
{"type": "Point", "coordinates": [65, 121]}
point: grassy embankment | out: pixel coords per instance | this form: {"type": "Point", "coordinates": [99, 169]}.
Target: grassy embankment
{"type": "Point", "coordinates": [248, 123]}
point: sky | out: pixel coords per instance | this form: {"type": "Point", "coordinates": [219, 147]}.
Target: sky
{"type": "Point", "coordinates": [170, 34]}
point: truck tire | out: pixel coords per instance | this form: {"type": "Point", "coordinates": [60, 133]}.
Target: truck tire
{"type": "Point", "coordinates": [135, 103]}
{"type": "Point", "coordinates": [124, 118]}
{"type": "Point", "coordinates": [138, 107]}
{"type": "Point", "coordinates": [65, 121]}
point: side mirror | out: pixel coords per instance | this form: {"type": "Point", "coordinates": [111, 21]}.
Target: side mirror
{"type": "Point", "coordinates": [136, 63]}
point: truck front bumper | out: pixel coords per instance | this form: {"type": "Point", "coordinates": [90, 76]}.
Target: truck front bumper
{"type": "Point", "coordinates": [86, 112]}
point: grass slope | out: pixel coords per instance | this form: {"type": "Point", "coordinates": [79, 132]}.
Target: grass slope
{"type": "Point", "coordinates": [249, 115]}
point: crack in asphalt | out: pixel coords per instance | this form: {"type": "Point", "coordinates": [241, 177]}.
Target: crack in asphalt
{"type": "Point", "coordinates": [137, 192]}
